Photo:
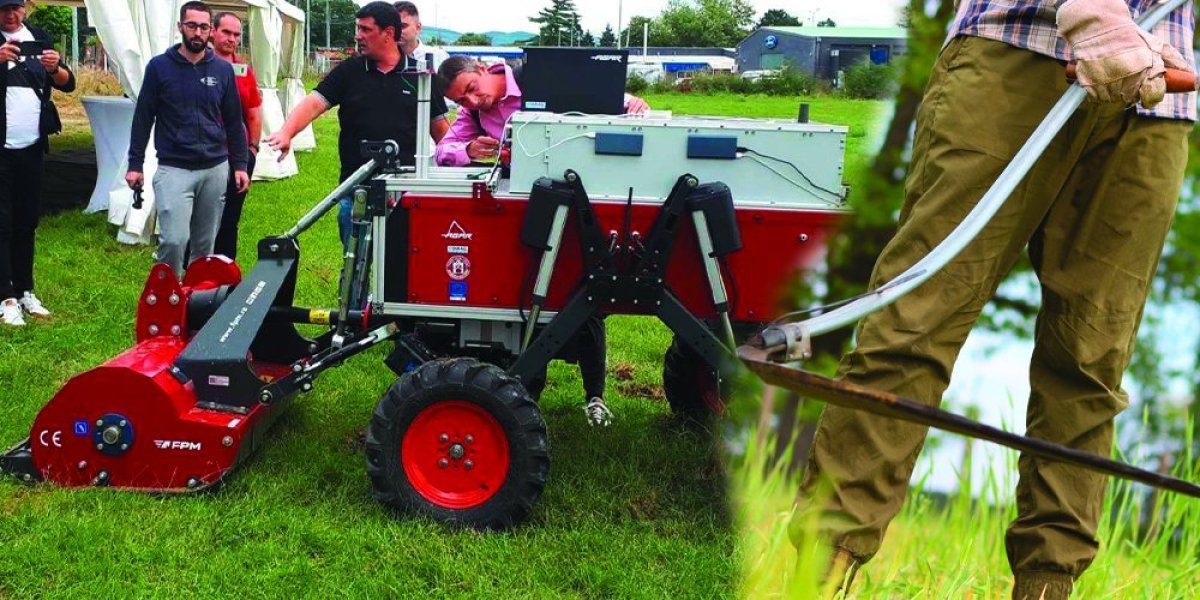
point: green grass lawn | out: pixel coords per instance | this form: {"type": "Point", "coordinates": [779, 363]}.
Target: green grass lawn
{"type": "Point", "coordinates": [635, 510]}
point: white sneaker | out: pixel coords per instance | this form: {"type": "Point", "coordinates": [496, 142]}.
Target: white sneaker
{"type": "Point", "coordinates": [32, 305]}
{"type": "Point", "coordinates": [598, 413]}
{"type": "Point", "coordinates": [10, 312]}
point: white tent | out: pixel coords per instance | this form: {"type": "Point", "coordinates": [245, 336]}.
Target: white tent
{"type": "Point", "coordinates": [134, 31]}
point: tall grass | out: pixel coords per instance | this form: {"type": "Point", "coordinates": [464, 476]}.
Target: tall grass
{"type": "Point", "coordinates": [953, 547]}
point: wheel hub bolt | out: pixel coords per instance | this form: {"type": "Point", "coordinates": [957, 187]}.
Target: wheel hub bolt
{"type": "Point", "coordinates": [470, 439]}
{"type": "Point", "coordinates": [468, 464]}
{"type": "Point", "coordinates": [457, 451]}
{"type": "Point", "coordinates": [443, 438]}
{"type": "Point", "coordinates": [443, 463]}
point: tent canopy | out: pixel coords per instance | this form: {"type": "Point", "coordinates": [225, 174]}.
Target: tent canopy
{"type": "Point", "coordinates": [134, 31]}
{"type": "Point", "coordinates": [240, 7]}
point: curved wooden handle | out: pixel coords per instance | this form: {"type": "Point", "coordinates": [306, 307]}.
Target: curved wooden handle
{"type": "Point", "coordinates": [1178, 80]}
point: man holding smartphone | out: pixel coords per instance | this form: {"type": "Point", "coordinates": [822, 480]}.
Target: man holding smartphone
{"type": "Point", "coordinates": [31, 69]}
{"type": "Point", "coordinates": [189, 98]}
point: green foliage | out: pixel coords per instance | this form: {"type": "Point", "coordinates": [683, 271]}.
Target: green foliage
{"type": "Point", "coordinates": [608, 39]}
{"type": "Point", "coordinates": [632, 35]}
{"type": "Point", "coordinates": [790, 81]}
{"type": "Point", "coordinates": [341, 23]}
{"type": "Point", "coordinates": [587, 40]}
{"type": "Point", "coordinates": [777, 17]}
{"type": "Point", "coordinates": [435, 41]}
{"type": "Point", "coordinates": [868, 80]}
{"type": "Point", "coordinates": [473, 39]}
{"type": "Point", "coordinates": [56, 20]}
{"type": "Point", "coordinates": [719, 23]}
{"type": "Point", "coordinates": [827, 23]}
{"type": "Point", "coordinates": [952, 545]}
{"type": "Point", "coordinates": [636, 84]}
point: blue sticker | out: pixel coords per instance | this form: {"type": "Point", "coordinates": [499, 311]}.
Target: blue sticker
{"type": "Point", "coordinates": [458, 291]}
{"type": "Point", "coordinates": [81, 427]}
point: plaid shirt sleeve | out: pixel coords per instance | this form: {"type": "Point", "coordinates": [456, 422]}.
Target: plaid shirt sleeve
{"type": "Point", "coordinates": [1030, 24]}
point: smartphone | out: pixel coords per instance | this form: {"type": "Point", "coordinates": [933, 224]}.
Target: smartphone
{"type": "Point", "coordinates": [33, 48]}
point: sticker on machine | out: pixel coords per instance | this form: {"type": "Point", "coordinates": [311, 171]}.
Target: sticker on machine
{"type": "Point", "coordinates": [458, 249]}
{"type": "Point", "coordinates": [456, 232]}
{"type": "Point", "coordinates": [458, 291]}
{"type": "Point", "coordinates": [458, 267]}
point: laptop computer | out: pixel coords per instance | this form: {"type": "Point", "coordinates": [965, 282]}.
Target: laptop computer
{"type": "Point", "coordinates": [586, 80]}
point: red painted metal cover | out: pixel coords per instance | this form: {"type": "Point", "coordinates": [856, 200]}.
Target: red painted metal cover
{"type": "Point", "coordinates": [466, 252]}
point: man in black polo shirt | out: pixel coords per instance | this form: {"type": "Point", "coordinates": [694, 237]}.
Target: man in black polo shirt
{"type": "Point", "coordinates": [377, 99]}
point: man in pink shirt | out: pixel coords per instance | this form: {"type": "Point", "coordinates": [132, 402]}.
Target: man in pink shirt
{"type": "Point", "coordinates": [487, 97]}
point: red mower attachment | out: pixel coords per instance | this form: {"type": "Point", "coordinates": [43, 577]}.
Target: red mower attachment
{"type": "Point", "coordinates": [135, 422]}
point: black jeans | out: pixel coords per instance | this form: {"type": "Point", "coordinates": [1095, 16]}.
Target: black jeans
{"type": "Point", "coordinates": [587, 349]}
{"type": "Point", "coordinates": [227, 235]}
{"type": "Point", "coordinates": [20, 208]}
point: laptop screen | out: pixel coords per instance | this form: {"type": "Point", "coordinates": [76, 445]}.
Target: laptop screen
{"type": "Point", "coordinates": [586, 80]}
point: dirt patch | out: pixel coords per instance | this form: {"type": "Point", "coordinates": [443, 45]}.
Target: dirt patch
{"type": "Point", "coordinates": [644, 508]}
{"type": "Point", "coordinates": [354, 442]}
{"type": "Point", "coordinates": [641, 390]}
{"type": "Point", "coordinates": [622, 371]}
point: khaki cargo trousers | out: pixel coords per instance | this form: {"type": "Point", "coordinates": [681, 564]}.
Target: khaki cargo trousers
{"type": "Point", "coordinates": [1093, 213]}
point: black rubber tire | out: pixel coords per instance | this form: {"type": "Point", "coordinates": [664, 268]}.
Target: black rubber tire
{"type": "Point", "coordinates": [481, 384]}
{"type": "Point", "coordinates": [691, 386]}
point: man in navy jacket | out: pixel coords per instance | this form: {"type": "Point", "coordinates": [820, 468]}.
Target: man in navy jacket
{"type": "Point", "coordinates": [191, 101]}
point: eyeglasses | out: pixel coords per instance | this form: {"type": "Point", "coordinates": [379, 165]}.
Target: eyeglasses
{"type": "Point", "coordinates": [190, 26]}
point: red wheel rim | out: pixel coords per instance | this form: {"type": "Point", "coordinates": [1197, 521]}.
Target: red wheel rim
{"type": "Point", "coordinates": [455, 454]}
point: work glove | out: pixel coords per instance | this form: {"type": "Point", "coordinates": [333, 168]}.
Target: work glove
{"type": "Point", "coordinates": [1115, 60]}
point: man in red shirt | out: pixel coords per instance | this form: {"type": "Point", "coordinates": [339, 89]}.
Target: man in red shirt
{"type": "Point", "coordinates": [226, 39]}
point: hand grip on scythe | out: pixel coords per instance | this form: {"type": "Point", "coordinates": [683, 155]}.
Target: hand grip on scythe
{"type": "Point", "coordinates": [1178, 80]}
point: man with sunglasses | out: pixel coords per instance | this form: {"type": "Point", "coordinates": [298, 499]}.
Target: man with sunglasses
{"type": "Point", "coordinates": [191, 101]}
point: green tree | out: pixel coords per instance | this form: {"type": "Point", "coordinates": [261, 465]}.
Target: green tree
{"type": "Point", "coordinates": [632, 35]}
{"type": "Point", "coordinates": [341, 22]}
{"type": "Point", "coordinates": [826, 23]}
{"type": "Point", "coordinates": [608, 39]}
{"type": "Point", "coordinates": [436, 40]}
{"type": "Point", "coordinates": [557, 23]}
{"type": "Point", "coordinates": [586, 40]}
{"type": "Point", "coordinates": [777, 17]}
{"type": "Point", "coordinates": [720, 23]}
{"type": "Point", "coordinates": [56, 20]}
{"type": "Point", "coordinates": [473, 39]}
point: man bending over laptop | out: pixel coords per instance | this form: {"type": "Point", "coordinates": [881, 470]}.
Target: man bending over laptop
{"type": "Point", "coordinates": [487, 97]}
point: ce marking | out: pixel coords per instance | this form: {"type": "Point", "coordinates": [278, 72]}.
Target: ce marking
{"type": "Point", "coordinates": [48, 438]}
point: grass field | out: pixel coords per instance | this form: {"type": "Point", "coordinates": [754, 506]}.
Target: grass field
{"type": "Point", "coordinates": [635, 510]}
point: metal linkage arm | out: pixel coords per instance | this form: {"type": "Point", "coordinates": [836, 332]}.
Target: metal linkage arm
{"type": "Point", "coordinates": [331, 200]}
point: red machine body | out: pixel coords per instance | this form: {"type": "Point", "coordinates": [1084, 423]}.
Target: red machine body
{"type": "Point", "coordinates": [475, 240]}
{"type": "Point", "coordinates": [131, 422]}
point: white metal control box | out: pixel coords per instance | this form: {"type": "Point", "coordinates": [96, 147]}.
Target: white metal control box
{"type": "Point", "coordinates": [762, 161]}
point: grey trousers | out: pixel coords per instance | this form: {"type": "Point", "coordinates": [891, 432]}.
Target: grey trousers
{"type": "Point", "coordinates": [189, 212]}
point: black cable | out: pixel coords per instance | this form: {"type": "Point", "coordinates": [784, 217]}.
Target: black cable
{"type": "Point", "coordinates": [793, 166]}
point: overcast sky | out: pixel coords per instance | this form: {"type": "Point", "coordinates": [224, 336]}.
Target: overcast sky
{"type": "Point", "coordinates": [513, 15]}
